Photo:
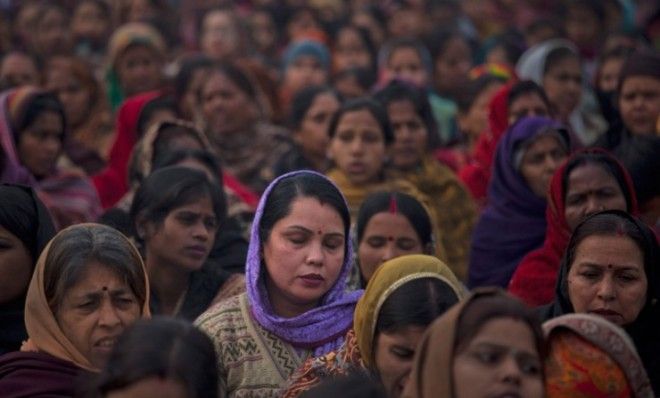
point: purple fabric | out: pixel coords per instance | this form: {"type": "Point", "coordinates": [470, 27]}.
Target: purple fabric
{"type": "Point", "coordinates": [321, 329]}
{"type": "Point", "coordinates": [513, 222]}
{"type": "Point", "coordinates": [11, 170]}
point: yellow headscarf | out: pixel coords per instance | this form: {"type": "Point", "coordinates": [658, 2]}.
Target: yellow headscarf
{"type": "Point", "coordinates": [44, 333]}
{"type": "Point", "coordinates": [388, 277]}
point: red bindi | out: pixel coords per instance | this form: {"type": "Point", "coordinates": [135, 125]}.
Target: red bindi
{"type": "Point", "coordinates": [390, 238]}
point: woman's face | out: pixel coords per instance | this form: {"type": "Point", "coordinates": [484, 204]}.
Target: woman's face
{"type": "Point", "coordinates": [410, 135]}
{"type": "Point", "coordinates": [394, 357]}
{"type": "Point", "coordinates": [138, 69]}
{"type": "Point", "coordinates": [501, 360]}
{"type": "Point", "coordinates": [18, 69]}
{"type": "Point", "coordinates": [225, 107]}
{"type": "Point", "coordinates": [475, 120]}
{"type": "Point", "coordinates": [184, 238]}
{"type": "Point", "coordinates": [52, 34]}
{"type": "Point", "coordinates": [303, 256]}
{"type": "Point", "coordinates": [219, 38]}
{"type": "Point", "coordinates": [350, 51]}
{"type": "Point", "coordinates": [190, 100]}
{"type": "Point", "coordinates": [608, 78]}
{"type": "Point", "coordinates": [452, 66]}
{"type": "Point", "coordinates": [639, 103]}
{"type": "Point", "coordinates": [527, 105]}
{"type": "Point", "coordinates": [358, 147]}
{"type": "Point", "coordinates": [313, 135]}
{"type": "Point", "coordinates": [305, 71]}
{"type": "Point", "coordinates": [386, 236]}
{"type": "Point", "coordinates": [39, 145]}
{"type": "Point", "coordinates": [406, 64]}
{"type": "Point", "coordinates": [563, 84]}
{"type": "Point", "coordinates": [73, 95]}
{"type": "Point", "coordinates": [591, 189]}
{"type": "Point", "coordinates": [264, 31]}
{"type": "Point", "coordinates": [16, 266]}
{"type": "Point", "coordinates": [89, 23]}
{"type": "Point", "coordinates": [539, 163]}
{"type": "Point", "coordinates": [95, 311]}
{"type": "Point", "coordinates": [607, 278]}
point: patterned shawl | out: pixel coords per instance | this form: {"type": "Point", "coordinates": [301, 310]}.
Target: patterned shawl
{"type": "Point", "coordinates": [322, 328]}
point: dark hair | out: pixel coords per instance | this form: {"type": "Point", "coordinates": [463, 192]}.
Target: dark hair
{"type": "Point", "coordinates": [74, 249]}
{"type": "Point", "coordinates": [303, 100]}
{"type": "Point", "coordinates": [371, 106]}
{"type": "Point", "coordinates": [607, 163]}
{"type": "Point", "coordinates": [208, 159]}
{"type": "Point", "coordinates": [172, 187]}
{"type": "Point", "coordinates": [168, 132]}
{"type": "Point", "coordinates": [307, 185]}
{"type": "Point", "coordinates": [354, 385]}
{"type": "Point", "coordinates": [38, 104]}
{"type": "Point", "coordinates": [418, 302]}
{"type": "Point", "coordinates": [641, 156]}
{"type": "Point", "coordinates": [400, 91]}
{"type": "Point", "coordinates": [474, 88]}
{"type": "Point", "coordinates": [406, 205]}
{"type": "Point", "coordinates": [238, 77]}
{"type": "Point", "coordinates": [526, 87]}
{"type": "Point", "coordinates": [23, 215]}
{"type": "Point", "coordinates": [165, 348]}
{"type": "Point", "coordinates": [481, 310]}
{"type": "Point", "coordinates": [438, 41]}
{"type": "Point", "coordinates": [166, 102]}
{"type": "Point", "coordinates": [556, 56]}
{"type": "Point", "coordinates": [188, 68]}
{"type": "Point", "coordinates": [545, 23]}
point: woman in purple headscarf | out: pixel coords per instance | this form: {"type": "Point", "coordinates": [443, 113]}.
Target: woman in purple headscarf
{"type": "Point", "coordinates": [296, 273]}
{"type": "Point", "coordinates": [513, 222]}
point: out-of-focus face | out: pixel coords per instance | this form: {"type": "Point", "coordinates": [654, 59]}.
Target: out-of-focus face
{"type": "Point", "coordinates": [17, 70]}
{"type": "Point", "coordinates": [591, 189]}
{"type": "Point", "coordinates": [563, 85]}
{"type": "Point", "coordinates": [303, 256]}
{"type": "Point", "coordinates": [190, 101]}
{"type": "Point", "coordinates": [607, 278]}
{"type": "Point", "coordinates": [16, 266]}
{"type": "Point", "coordinates": [358, 147]}
{"type": "Point", "coordinates": [452, 66]}
{"type": "Point", "coordinates": [527, 105]}
{"type": "Point", "coordinates": [313, 135]}
{"type": "Point", "coordinates": [501, 360]}
{"type": "Point", "coordinates": [139, 70]}
{"type": "Point", "coordinates": [264, 31]}
{"type": "Point", "coordinates": [74, 97]}
{"type": "Point", "coordinates": [151, 387]}
{"type": "Point", "coordinates": [609, 74]}
{"type": "Point", "coordinates": [639, 104]}
{"type": "Point", "coordinates": [95, 311]}
{"type": "Point", "coordinates": [350, 51]}
{"type": "Point", "coordinates": [184, 238]}
{"type": "Point", "coordinates": [52, 34]}
{"type": "Point", "coordinates": [406, 64]}
{"type": "Point", "coordinates": [219, 37]}
{"type": "Point", "coordinates": [386, 236]}
{"type": "Point", "coordinates": [226, 108]}
{"type": "Point", "coordinates": [141, 10]}
{"type": "Point", "coordinates": [410, 135]}
{"type": "Point", "coordinates": [582, 26]}
{"type": "Point", "coordinates": [394, 357]}
{"type": "Point", "coordinates": [305, 71]}
{"type": "Point", "coordinates": [539, 163]}
{"type": "Point", "coordinates": [89, 23]}
{"type": "Point", "coordinates": [40, 144]}
{"type": "Point", "coordinates": [475, 121]}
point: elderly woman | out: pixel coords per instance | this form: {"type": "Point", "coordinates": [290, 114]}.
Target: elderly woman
{"type": "Point", "coordinates": [610, 270]}
{"type": "Point", "coordinates": [88, 286]}
{"type": "Point", "coordinates": [25, 229]}
{"type": "Point", "coordinates": [296, 305]}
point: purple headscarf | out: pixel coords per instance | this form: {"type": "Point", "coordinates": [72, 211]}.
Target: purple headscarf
{"type": "Point", "coordinates": [11, 169]}
{"type": "Point", "coordinates": [513, 222]}
{"type": "Point", "coordinates": [322, 328]}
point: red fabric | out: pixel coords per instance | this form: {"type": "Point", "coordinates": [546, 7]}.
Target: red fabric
{"type": "Point", "coordinates": [476, 174]}
{"type": "Point", "coordinates": [535, 278]}
{"type": "Point", "coordinates": [112, 182]}
{"type": "Point", "coordinates": [243, 192]}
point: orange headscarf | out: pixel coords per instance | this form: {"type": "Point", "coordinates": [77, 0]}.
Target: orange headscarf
{"type": "Point", "coordinates": [44, 333]}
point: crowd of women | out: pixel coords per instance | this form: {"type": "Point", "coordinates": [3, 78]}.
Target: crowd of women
{"type": "Point", "coordinates": [275, 198]}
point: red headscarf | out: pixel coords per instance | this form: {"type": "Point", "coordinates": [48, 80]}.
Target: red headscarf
{"type": "Point", "coordinates": [535, 278]}
{"type": "Point", "coordinates": [476, 175]}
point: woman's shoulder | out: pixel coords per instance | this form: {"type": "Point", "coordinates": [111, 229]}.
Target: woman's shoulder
{"type": "Point", "coordinates": [20, 370]}
{"type": "Point", "coordinates": [225, 316]}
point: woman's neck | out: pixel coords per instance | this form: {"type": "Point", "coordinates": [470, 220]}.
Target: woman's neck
{"type": "Point", "coordinates": [283, 307]}
{"type": "Point", "coordinates": [169, 282]}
